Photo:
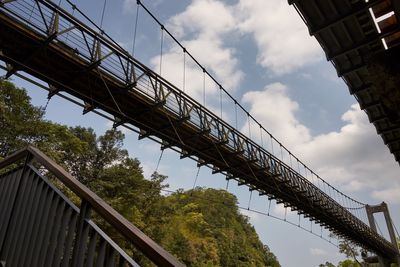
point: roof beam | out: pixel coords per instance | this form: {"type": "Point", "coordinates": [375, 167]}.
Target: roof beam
{"type": "Point", "coordinates": [361, 8]}
{"type": "Point", "coordinates": [366, 42]}
{"type": "Point", "coordinates": [351, 69]}
{"type": "Point", "coordinates": [368, 105]}
{"type": "Point", "coordinates": [387, 130]}
{"type": "Point", "coordinates": [392, 141]}
{"type": "Point", "coordinates": [377, 118]}
{"type": "Point", "coordinates": [359, 89]}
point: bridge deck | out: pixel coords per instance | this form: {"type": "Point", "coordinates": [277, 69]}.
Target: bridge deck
{"type": "Point", "coordinates": [71, 57]}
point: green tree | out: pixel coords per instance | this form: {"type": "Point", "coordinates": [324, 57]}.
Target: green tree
{"type": "Point", "coordinates": [211, 230]}
{"type": "Point", "coordinates": [349, 263]}
{"type": "Point", "coordinates": [20, 122]}
{"type": "Point", "coordinates": [350, 250]}
{"type": "Point", "coordinates": [327, 264]}
{"type": "Point", "coordinates": [93, 155]}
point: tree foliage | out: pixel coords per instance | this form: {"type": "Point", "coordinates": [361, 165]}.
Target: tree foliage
{"type": "Point", "coordinates": [327, 264]}
{"type": "Point", "coordinates": [20, 122]}
{"type": "Point", "coordinates": [349, 263]}
{"type": "Point", "coordinates": [215, 233]}
{"type": "Point", "coordinates": [202, 227]}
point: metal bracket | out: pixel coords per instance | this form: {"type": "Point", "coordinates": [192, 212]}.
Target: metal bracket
{"type": "Point", "coordinates": [87, 107]}
{"type": "Point", "coordinates": [52, 91]}
{"type": "Point", "coordinates": [118, 122]}
{"type": "Point", "coordinates": [184, 154]}
{"type": "Point", "coordinates": [11, 69]}
{"type": "Point", "coordinates": [201, 163]}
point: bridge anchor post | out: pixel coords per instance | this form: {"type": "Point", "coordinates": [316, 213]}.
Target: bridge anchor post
{"type": "Point", "coordinates": [383, 262]}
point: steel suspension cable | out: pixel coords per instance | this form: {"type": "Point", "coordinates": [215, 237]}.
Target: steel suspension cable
{"type": "Point", "coordinates": [395, 228]}
{"type": "Point", "coordinates": [236, 116]}
{"type": "Point", "coordinates": [159, 160]}
{"type": "Point", "coordinates": [197, 176]}
{"type": "Point", "coordinates": [248, 122]}
{"type": "Point", "coordinates": [379, 229]}
{"type": "Point", "coordinates": [135, 30]}
{"type": "Point", "coordinates": [184, 69]}
{"type": "Point", "coordinates": [220, 101]}
{"type": "Point", "coordinates": [269, 206]}
{"type": "Point", "coordinates": [204, 88]}
{"type": "Point", "coordinates": [161, 47]}
{"type": "Point", "coordinates": [102, 14]}
{"type": "Point", "coordinates": [251, 194]}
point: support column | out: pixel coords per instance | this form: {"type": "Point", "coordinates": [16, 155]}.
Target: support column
{"type": "Point", "coordinates": [389, 224]}
{"type": "Point", "coordinates": [383, 262]}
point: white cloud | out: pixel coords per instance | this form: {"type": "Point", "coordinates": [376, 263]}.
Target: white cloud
{"type": "Point", "coordinates": [202, 33]}
{"type": "Point", "coordinates": [282, 38]}
{"type": "Point", "coordinates": [318, 252]}
{"type": "Point", "coordinates": [197, 18]}
{"type": "Point", "coordinates": [392, 194]}
{"type": "Point", "coordinates": [353, 158]}
{"type": "Point", "coordinates": [276, 111]}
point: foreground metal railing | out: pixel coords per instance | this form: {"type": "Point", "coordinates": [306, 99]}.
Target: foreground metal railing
{"type": "Point", "coordinates": [40, 226]}
{"type": "Point", "coordinates": [136, 95]}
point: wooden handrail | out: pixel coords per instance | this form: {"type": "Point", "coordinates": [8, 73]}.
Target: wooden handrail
{"type": "Point", "coordinates": [144, 243]}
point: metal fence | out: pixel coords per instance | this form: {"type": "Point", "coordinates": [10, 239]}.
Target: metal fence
{"type": "Point", "coordinates": [40, 226]}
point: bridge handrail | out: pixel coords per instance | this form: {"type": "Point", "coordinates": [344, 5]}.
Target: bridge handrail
{"type": "Point", "coordinates": [145, 244]}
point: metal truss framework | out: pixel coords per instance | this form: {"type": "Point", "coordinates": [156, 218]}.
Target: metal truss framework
{"type": "Point", "coordinates": [45, 41]}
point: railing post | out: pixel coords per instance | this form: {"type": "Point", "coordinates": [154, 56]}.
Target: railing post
{"type": "Point", "coordinates": [81, 235]}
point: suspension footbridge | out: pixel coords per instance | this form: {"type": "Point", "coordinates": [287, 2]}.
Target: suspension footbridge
{"type": "Point", "coordinates": [77, 58]}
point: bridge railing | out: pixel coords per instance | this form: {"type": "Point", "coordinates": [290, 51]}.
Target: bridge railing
{"type": "Point", "coordinates": [40, 226]}
{"type": "Point", "coordinates": [112, 63]}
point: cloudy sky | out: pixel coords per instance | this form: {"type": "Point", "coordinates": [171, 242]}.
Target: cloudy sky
{"type": "Point", "coordinates": [260, 51]}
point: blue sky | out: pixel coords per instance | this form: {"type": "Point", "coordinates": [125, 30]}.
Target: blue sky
{"type": "Point", "coordinates": [260, 51]}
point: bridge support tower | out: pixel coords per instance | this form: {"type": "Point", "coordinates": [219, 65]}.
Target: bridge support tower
{"type": "Point", "coordinates": [383, 261]}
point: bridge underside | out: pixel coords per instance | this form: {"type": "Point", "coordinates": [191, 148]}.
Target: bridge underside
{"type": "Point", "coordinates": [347, 33]}
{"type": "Point", "coordinates": [64, 69]}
